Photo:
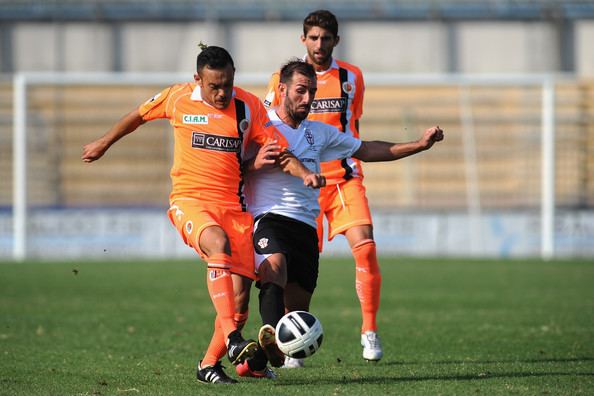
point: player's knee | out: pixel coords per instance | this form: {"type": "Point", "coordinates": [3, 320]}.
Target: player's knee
{"type": "Point", "coordinates": [365, 255]}
{"type": "Point", "coordinates": [366, 246]}
{"type": "Point", "coordinates": [359, 234]}
{"type": "Point", "coordinates": [274, 270]}
{"type": "Point", "coordinates": [214, 240]}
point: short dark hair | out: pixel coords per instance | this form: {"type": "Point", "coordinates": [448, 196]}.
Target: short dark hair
{"type": "Point", "coordinates": [296, 66]}
{"type": "Point", "coordinates": [323, 19]}
{"type": "Point", "coordinates": [213, 57]}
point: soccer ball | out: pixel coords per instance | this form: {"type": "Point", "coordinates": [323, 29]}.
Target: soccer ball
{"type": "Point", "coordinates": [299, 334]}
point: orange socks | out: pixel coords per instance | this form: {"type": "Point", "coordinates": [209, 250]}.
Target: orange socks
{"type": "Point", "coordinates": [217, 348]}
{"type": "Point", "coordinates": [368, 281]}
{"type": "Point", "coordinates": [220, 288]}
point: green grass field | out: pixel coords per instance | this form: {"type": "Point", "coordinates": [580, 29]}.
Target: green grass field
{"type": "Point", "coordinates": [449, 327]}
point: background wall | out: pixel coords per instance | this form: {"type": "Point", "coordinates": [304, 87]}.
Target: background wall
{"type": "Point", "coordinates": [396, 36]}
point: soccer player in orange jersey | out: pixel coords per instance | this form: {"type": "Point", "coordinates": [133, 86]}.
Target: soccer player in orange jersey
{"type": "Point", "coordinates": [339, 102]}
{"type": "Point", "coordinates": [213, 122]}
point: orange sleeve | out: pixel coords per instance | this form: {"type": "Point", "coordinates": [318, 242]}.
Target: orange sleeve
{"type": "Point", "coordinates": [155, 107]}
{"type": "Point", "coordinates": [272, 94]}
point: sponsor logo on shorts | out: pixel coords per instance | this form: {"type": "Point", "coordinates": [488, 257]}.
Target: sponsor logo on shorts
{"type": "Point", "coordinates": [215, 142]}
{"type": "Point", "coordinates": [329, 105]}
{"type": "Point", "coordinates": [198, 119]}
{"type": "Point", "coordinates": [263, 243]}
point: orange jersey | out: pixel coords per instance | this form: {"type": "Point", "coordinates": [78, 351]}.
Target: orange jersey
{"type": "Point", "coordinates": [338, 102]}
{"type": "Point", "coordinates": [209, 143]}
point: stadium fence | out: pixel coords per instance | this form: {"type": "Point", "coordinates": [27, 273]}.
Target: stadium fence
{"type": "Point", "coordinates": [517, 148]}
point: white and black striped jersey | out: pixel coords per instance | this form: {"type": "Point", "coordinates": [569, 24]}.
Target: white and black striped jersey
{"type": "Point", "coordinates": [271, 190]}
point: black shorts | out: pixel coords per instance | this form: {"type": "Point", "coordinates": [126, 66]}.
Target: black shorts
{"type": "Point", "coordinates": [297, 241]}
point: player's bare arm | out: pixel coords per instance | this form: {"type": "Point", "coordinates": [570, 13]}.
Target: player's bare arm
{"type": "Point", "coordinates": [127, 124]}
{"type": "Point", "coordinates": [291, 165]}
{"type": "Point", "coordinates": [271, 154]}
{"type": "Point", "coordinates": [375, 151]}
{"type": "Point", "coordinates": [267, 157]}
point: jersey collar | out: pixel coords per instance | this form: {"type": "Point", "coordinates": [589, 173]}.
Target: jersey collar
{"type": "Point", "coordinates": [333, 65]}
{"type": "Point", "coordinates": [197, 97]}
{"type": "Point", "coordinates": [273, 116]}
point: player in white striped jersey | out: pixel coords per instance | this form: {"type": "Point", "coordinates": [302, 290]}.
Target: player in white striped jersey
{"type": "Point", "coordinates": [285, 210]}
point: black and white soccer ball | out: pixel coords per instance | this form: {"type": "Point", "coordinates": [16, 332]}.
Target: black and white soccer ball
{"type": "Point", "coordinates": [299, 334]}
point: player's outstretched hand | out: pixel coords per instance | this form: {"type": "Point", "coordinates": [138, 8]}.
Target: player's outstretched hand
{"type": "Point", "coordinates": [431, 136]}
{"type": "Point", "coordinates": [94, 150]}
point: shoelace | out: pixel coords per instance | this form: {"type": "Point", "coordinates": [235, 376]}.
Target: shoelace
{"type": "Point", "coordinates": [373, 341]}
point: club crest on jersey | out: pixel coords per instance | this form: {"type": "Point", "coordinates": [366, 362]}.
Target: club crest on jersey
{"type": "Point", "coordinates": [309, 136]}
{"type": "Point", "coordinates": [199, 119]}
{"type": "Point", "coordinates": [263, 243]}
{"type": "Point", "coordinates": [215, 142]}
{"type": "Point", "coordinates": [347, 87]}
{"type": "Point", "coordinates": [244, 125]}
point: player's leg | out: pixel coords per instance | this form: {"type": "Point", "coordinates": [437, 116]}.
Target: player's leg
{"type": "Point", "coordinates": [220, 289]}
{"type": "Point", "coordinates": [217, 347]}
{"type": "Point", "coordinates": [200, 228]}
{"type": "Point", "coordinates": [350, 215]}
{"type": "Point", "coordinates": [210, 369]}
{"type": "Point", "coordinates": [272, 279]}
{"type": "Point", "coordinates": [303, 269]}
{"type": "Point", "coordinates": [368, 282]}
{"type": "Point", "coordinates": [237, 225]}
{"type": "Point", "coordinates": [367, 275]}
{"type": "Point", "coordinates": [296, 299]}
{"type": "Point", "coordinates": [256, 366]}
{"type": "Point", "coordinates": [271, 235]}
{"type": "Point", "coordinates": [215, 245]}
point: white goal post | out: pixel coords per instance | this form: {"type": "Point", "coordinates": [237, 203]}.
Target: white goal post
{"type": "Point", "coordinates": [22, 82]}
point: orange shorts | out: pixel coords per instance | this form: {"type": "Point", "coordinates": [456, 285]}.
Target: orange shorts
{"type": "Point", "coordinates": [191, 217]}
{"type": "Point", "coordinates": [344, 205]}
